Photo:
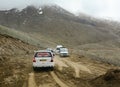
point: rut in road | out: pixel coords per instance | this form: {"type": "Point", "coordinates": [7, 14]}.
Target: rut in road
{"type": "Point", "coordinates": [46, 78]}
{"type": "Point", "coordinates": [60, 64]}
{"type": "Point", "coordinates": [58, 81]}
{"type": "Point", "coordinates": [31, 80]}
{"type": "Point", "coordinates": [65, 62]}
{"type": "Point", "coordinates": [77, 68]}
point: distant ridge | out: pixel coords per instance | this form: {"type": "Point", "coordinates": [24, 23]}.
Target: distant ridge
{"type": "Point", "coordinates": [53, 24]}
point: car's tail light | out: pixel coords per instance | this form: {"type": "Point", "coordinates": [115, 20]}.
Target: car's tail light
{"type": "Point", "coordinates": [34, 60]}
{"type": "Point", "coordinates": [51, 59]}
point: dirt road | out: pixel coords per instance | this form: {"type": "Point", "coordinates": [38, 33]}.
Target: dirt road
{"type": "Point", "coordinates": [31, 80]}
{"type": "Point", "coordinates": [74, 71]}
{"type": "Point", "coordinates": [46, 77]}
{"type": "Point", "coordinates": [68, 72]}
{"type": "Point", "coordinates": [64, 75]}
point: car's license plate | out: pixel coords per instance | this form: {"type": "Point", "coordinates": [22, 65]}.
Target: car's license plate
{"type": "Point", "coordinates": [43, 60]}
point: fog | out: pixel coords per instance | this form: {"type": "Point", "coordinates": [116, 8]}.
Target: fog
{"type": "Point", "coordinates": [108, 9]}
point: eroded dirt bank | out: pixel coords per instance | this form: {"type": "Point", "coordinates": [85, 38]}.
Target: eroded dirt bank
{"type": "Point", "coordinates": [74, 71]}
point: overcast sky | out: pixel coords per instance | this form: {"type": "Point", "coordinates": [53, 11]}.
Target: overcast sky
{"type": "Point", "coordinates": [97, 8]}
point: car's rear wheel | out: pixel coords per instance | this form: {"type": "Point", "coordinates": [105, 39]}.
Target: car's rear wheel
{"type": "Point", "coordinates": [34, 68]}
{"type": "Point", "coordinates": [52, 68]}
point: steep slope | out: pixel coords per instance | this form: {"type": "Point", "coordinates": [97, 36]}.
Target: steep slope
{"type": "Point", "coordinates": [10, 46]}
{"type": "Point", "coordinates": [13, 68]}
{"type": "Point", "coordinates": [107, 80]}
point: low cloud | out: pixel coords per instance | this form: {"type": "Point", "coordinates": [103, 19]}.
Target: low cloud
{"type": "Point", "coordinates": [97, 8]}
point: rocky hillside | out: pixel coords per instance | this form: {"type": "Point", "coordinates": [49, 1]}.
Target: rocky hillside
{"type": "Point", "coordinates": [10, 46]}
{"type": "Point", "coordinates": [13, 54]}
{"type": "Point", "coordinates": [56, 25]}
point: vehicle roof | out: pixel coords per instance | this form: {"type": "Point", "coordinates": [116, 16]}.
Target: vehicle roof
{"type": "Point", "coordinates": [49, 49]}
{"type": "Point", "coordinates": [42, 51]}
{"type": "Point", "coordinates": [59, 46]}
{"type": "Point", "coordinates": [63, 48]}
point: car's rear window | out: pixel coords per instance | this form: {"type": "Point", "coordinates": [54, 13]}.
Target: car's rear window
{"type": "Point", "coordinates": [57, 48]}
{"type": "Point", "coordinates": [63, 49]}
{"type": "Point", "coordinates": [43, 54]}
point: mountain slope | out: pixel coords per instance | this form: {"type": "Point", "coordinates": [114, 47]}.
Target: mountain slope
{"type": "Point", "coordinates": [57, 25]}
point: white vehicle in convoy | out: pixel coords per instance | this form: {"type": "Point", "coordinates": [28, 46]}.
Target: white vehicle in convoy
{"type": "Point", "coordinates": [57, 50]}
{"type": "Point", "coordinates": [64, 52]}
{"type": "Point", "coordinates": [43, 58]}
{"type": "Point", "coordinates": [50, 49]}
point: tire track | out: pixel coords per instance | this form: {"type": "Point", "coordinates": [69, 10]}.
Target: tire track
{"type": "Point", "coordinates": [60, 64]}
{"type": "Point", "coordinates": [77, 68]}
{"type": "Point", "coordinates": [45, 79]}
{"type": "Point", "coordinates": [58, 81]}
{"type": "Point", "coordinates": [31, 80]}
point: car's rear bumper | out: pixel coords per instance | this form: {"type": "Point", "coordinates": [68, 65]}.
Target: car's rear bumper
{"type": "Point", "coordinates": [51, 64]}
{"type": "Point", "coordinates": [64, 54]}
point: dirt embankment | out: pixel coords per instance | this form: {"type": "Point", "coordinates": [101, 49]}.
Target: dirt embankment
{"type": "Point", "coordinates": [110, 79]}
{"type": "Point", "coordinates": [11, 46]}
{"type": "Point", "coordinates": [14, 61]}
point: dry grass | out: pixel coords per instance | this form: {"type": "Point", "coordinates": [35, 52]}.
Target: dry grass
{"type": "Point", "coordinates": [107, 56]}
{"type": "Point", "coordinates": [18, 35]}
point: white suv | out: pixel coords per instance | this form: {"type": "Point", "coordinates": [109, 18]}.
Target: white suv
{"type": "Point", "coordinates": [64, 52]}
{"type": "Point", "coordinates": [43, 58]}
{"type": "Point", "coordinates": [57, 51]}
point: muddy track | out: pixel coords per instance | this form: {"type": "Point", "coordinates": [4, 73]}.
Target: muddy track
{"type": "Point", "coordinates": [77, 67]}
{"type": "Point", "coordinates": [58, 81]}
{"type": "Point", "coordinates": [60, 64]}
{"type": "Point", "coordinates": [67, 73]}
{"type": "Point", "coordinates": [31, 80]}
{"type": "Point", "coordinates": [45, 79]}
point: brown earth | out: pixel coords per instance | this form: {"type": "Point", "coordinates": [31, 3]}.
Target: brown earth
{"type": "Point", "coordinates": [109, 79]}
{"type": "Point", "coordinates": [14, 61]}
{"type": "Point", "coordinates": [74, 71]}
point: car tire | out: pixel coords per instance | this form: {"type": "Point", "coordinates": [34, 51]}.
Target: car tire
{"type": "Point", "coordinates": [52, 68]}
{"type": "Point", "coordinates": [34, 68]}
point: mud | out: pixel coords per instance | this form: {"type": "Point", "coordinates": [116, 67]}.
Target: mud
{"type": "Point", "coordinates": [110, 79]}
